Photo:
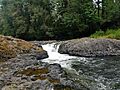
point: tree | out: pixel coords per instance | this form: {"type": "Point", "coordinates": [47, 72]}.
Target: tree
{"type": "Point", "coordinates": [56, 19]}
{"type": "Point", "coordinates": [26, 19]}
{"type": "Point", "coordinates": [110, 14]}
{"type": "Point", "coordinates": [75, 19]}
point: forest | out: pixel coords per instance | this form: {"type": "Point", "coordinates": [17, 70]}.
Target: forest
{"type": "Point", "coordinates": [59, 19]}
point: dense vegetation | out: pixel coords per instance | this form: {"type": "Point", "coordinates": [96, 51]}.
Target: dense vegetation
{"type": "Point", "coordinates": [110, 33]}
{"type": "Point", "coordinates": [57, 19]}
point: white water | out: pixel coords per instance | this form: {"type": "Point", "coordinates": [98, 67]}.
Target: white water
{"type": "Point", "coordinates": [65, 60]}
{"type": "Point", "coordinates": [55, 57]}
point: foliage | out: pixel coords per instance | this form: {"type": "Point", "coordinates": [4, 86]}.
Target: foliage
{"type": "Point", "coordinates": [110, 33]}
{"type": "Point", "coordinates": [75, 19]}
{"type": "Point", "coordinates": [57, 19]}
{"type": "Point", "coordinates": [25, 19]}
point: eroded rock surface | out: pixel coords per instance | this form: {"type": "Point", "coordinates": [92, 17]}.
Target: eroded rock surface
{"type": "Point", "coordinates": [25, 72]}
{"type": "Point", "coordinates": [91, 47]}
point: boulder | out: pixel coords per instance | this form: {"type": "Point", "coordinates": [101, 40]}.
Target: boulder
{"type": "Point", "coordinates": [90, 47]}
{"type": "Point", "coordinates": [11, 47]}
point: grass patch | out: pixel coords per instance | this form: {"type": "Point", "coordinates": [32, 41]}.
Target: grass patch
{"type": "Point", "coordinates": [110, 33]}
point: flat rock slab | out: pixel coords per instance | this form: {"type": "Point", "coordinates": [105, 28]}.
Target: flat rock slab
{"type": "Point", "coordinates": [90, 47]}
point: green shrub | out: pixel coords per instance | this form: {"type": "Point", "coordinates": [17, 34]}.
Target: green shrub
{"type": "Point", "coordinates": [98, 34]}
{"type": "Point", "coordinates": [110, 33]}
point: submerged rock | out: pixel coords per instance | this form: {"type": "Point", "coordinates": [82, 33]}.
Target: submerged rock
{"type": "Point", "coordinates": [90, 47]}
{"type": "Point", "coordinates": [10, 47]}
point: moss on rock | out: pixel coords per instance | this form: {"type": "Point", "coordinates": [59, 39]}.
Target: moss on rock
{"type": "Point", "coordinates": [34, 71]}
{"type": "Point", "coordinates": [10, 47]}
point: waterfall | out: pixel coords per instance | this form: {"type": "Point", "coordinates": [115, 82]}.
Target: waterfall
{"type": "Point", "coordinates": [55, 57]}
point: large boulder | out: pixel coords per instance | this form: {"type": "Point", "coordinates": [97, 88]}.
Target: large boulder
{"type": "Point", "coordinates": [11, 47]}
{"type": "Point", "coordinates": [91, 47]}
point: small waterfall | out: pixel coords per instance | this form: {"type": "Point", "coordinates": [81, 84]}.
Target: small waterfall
{"type": "Point", "coordinates": [55, 57]}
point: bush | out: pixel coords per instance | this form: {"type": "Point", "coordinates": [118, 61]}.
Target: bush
{"type": "Point", "coordinates": [110, 33]}
{"type": "Point", "coordinates": [97, 34]}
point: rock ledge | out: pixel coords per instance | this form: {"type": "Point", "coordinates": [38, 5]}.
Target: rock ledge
{"type": "Point", "coordinates": [90, 47]}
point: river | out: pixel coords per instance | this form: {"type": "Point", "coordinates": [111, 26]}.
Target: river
{"type": "Point", "coordinates": [104, 71]}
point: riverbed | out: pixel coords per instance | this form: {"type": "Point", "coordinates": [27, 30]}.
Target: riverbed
{"type": "Point", "coordinates": [104, 71]}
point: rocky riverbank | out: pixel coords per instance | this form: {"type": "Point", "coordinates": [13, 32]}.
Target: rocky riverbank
{"type": "Point", "coordinates": [25, 72]}
{"type": "Point", "coordinates": [90, 47]}
{"type": "Point", "coordinates": [21, 68]}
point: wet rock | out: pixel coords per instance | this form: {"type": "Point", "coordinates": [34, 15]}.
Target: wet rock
{"type": "Point", "coordinates": [91, 47]}
{"type": "Point", "coordinates": [72, 84]}
{"type": "Point", "coordinates": [41, 55]}
{"type": "Point", "coordinates": [1, 82]}
{"type": "Point", "coordinates": [55, 71]}
{"type": "Point", "coordinates": [25, 72]}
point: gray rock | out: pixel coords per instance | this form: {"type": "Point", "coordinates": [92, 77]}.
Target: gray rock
{"type": "Point", "coordinates": [73, 85]}
{"type": "Point", "coordinates": [1, 82]}
{"type": "Point", "coordinates": [36, 85]}
{"type": "Point", "coordinates": [41, 55]}
{"type": "Point", "coordinates": [91, 47]}
{"type": "Point", "coordinates": [55, 71]}
{"type": "Point", "coordinates": [43, 76]}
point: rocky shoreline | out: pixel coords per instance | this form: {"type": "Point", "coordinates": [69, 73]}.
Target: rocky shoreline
{"type": "Point", "coordinates": [26, 71]}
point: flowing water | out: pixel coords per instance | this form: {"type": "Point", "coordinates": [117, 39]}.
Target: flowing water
{"type": "Point", "coordinates": [104, 71]}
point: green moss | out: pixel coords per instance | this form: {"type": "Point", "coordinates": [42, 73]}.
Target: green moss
{"type": "Point", "coordinates": [39, 77]}
{"type": "Point", "coordinates": [55, 81]}
{"type": "Point", "coordinates": [2, 61]}
{"type": "Point", "coordinates": [10, 47]}
{"type": "Point", "coordinates": [38, 74]}
{"type": "Point", "coordinates": [34, 71]}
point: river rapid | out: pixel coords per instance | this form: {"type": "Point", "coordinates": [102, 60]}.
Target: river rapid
{"type": "Point", "coordinates": [104, 72]}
